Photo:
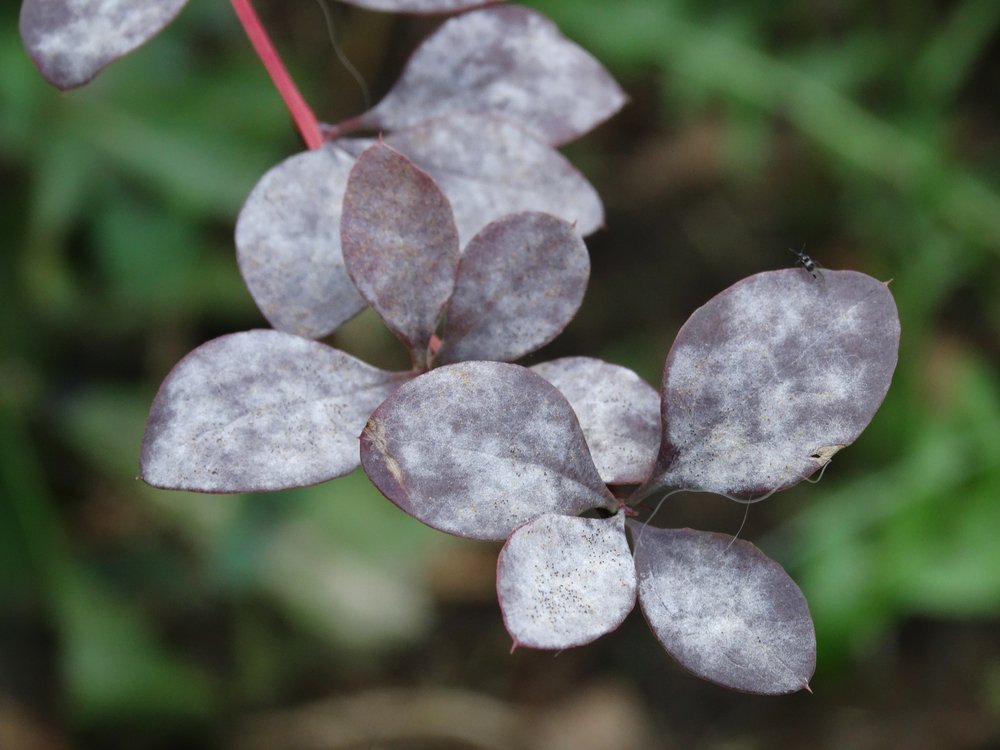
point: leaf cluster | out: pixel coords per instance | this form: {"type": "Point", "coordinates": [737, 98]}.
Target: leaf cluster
{"type": "Point", "coordinates": [461, 227]}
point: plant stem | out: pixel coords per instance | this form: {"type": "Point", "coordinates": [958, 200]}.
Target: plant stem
{"type": "Point", "coordinates": [303, 116]}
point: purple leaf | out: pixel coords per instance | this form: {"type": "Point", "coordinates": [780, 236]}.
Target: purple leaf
{"type": "Point", "coordinates": [288, 244]}
{"type": "Point", "coordinates": [400, 244]}
{"type": "Point", "coordinates": [618, 411]}
{"type": "Point", "coordinates": [478, 448]}
{"type": "Point", "coordinates": [72, 40]}
{"type": "Point", "coordinates": [564, 581]}
{"type": "Point", "coordinates": [504, 60]}
{"type": "Point", "coordinates": [724, 610]}
{"type": "Point", "coordinates": [260, 410]}
{"type": "Point", "coordinates": [488, 167]}
{"type": "Point", "coordinates": [419, 6]}
{"type": "Point", "coordinates": [773, 376]}
{"type": "Point", "coordinates": [520, 281]}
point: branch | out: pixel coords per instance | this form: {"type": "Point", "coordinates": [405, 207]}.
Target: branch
{"type": "Point", "coordinates": [304, 118]}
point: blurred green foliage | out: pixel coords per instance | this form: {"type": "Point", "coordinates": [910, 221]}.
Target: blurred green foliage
{"type": "Point", "coordinates": [871, 126]}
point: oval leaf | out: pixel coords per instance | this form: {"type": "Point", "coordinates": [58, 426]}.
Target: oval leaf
{"type": "Point", "coordinates": [508, 61]}
{"type": "Point", "coordinates": [288, 244]}
{"type": "Point", "coordinates": [419, 6]}
{"type": "Point", "coordinates": [564, 581]}
{"type": "Point", "coordinates": [724, 610]}
{"type": "Point", "coordinates": [772, 377]}
{"type": "Point", "coordinates": [618, 411]}
{"type": "Point", "coordinates": [520, 281]}
{"type": "Point", "coordinates": [400, 244]}
{"type": "Point", "coordinates": [260, 410]}
{"type": "Point", "coordinates": [72, 40]}
{"type": "Point", "coordinates": [478, 448]}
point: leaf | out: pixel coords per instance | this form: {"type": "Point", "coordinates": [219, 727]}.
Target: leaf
{"type": "Point", "coordinates": [724, 610]}
{"type": "Point", "coordinates": [419, 6]}
{"type": "Point", "coordinates": [72, 40]}
{"type": "Point", "coordinates": [478, 448]}
{"type": "Point", "coordinates": [773, 376]}
{"type": "Point", "coordinates": [520, 282]}
{"type": "Point", "coordinates": [400, 244]}
{"type": "Point", "coordinates": [489, 167]}
{"type": "Point", "coordinates": [288, 244]}
{"type": "Point", "coordinates": [564, 581]}
{"type": "Point", "coordinates": [260, 410]}
{"type": "Point", "coordinates": [618, 411]}
{"type": "Point", "coordinates": [505, 60]}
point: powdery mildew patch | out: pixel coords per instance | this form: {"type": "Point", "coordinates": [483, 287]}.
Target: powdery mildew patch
{"type": "Point", "coordinates": [519, 283]}
{"type": "Point", "coordinates": [725, 611]}
{"type": "Point", "coordinates": [478, 448]}
{"type": "Point", "coordinates": [489, 167]}
{"type": "Point", "coordinates": [618, 411]}
{"type": "Point", "coordinates": [504, 60]}
{"type": "Point", "coordinates": [564, 581]}
{"type": "Point", "coordinates": [71, 40]}
{"type": "Point", "coordinates": [772, 376]}
{"type": "Point", "coordinates": [288, 244]}
{"type": "Point", "coordinates": [260, 410]}
{"type": "Point", "coordinates": [400, 244]}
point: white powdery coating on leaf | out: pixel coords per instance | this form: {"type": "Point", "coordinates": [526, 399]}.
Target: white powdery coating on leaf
{"type": "Point", "coordinates": [71, 40]}
{"type": "Point", "coordinates": [770, 374]}
{"type": "Point", "coordinates": [288, 244]}
{"type": "Point", "coordinates": [564, 581]}
{"type": "Point", "coordinates": [724, 610]}
{"type": "Point", "coordinates": [488, 167]}
{"type": "Point", "coordinates": [400, 244]}
{"type": "Point", "coordinates": [508, 61]}
{"type": "Point", "coordinates": [519, 283]}
{"type": "Point", "coordinates": [619, 413]}
{"type": "Point", "coordinates": [478, 448]}
{"type": "Point", "coordinates": [260, 410]}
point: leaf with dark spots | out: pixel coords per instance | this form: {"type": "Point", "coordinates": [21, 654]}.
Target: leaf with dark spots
{"type": "Point", "coordinates": [400, 244]}
{"type": "Point", "coordinates": [72, 40]}
{"type": "Point", "coordinates": [520, 282]}
{"type": "Point", "coordinates": [478, 448]}
{"type": "Point", "coordinates": [563, 581]}
{"type": "Point", "coordinates": [288, 244]}
{"type": "Point", "coordinates": [773, 376]}
{"type": "Point", "coordinates": [724, 610]}
{"type": "Point", "coordinates": [260, 410]}
{"type": "Point", "coordinates": [618, 411]}
{"type": "Point", "coordinates": [508, 61]}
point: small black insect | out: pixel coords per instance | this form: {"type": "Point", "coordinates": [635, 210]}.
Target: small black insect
{"type": "Point", "coordinates": [806, 262]}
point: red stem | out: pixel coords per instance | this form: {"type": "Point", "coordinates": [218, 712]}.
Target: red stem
{"type": "Point", "coordinates": [304, 118]}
